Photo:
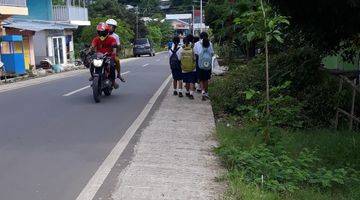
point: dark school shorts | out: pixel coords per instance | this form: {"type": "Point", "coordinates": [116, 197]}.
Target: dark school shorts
{"type": "Point", "coordinates": [177, 74]}
{"type": "Point", "coordinates": [190, 77]}
{"type": "Point", "coordinates": [203, 75]}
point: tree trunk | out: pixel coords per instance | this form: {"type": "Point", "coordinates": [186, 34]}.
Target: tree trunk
{"type": "Point", "coordinates": [267, 78]}
{"type": "Point", "coordinates": [266, 62]}
{"type": "Point", "coordinates": [266, 131]}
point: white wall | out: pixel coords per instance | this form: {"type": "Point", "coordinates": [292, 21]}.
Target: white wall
{"type": "Point", "coordinates": [40, 46]}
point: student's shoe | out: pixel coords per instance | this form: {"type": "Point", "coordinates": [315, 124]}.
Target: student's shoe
{"type": "Point", "coordinates": [115, 85]}
{"type": "Point", "coordinates": [175, 93]}
{"type": "Point", "coordinates": [187, 94]}
{"type": "Point", "coordinates": [91, 78]}
{"type": "Point", "coordinates": [191, 97]}
{"type": "Point", "coordinates": [207, 96]}
{"type": "Point", "coordinates": [180, 94]}
{"type": "Point", "coordinates": [203, 98]}
{"type": "Point", "coordinates": [198, 90]}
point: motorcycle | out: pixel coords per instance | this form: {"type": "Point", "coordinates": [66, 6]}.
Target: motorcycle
{"type": "Point", "coordinates": [101, 63]}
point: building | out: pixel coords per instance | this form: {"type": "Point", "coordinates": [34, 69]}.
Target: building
{"type": "Point", "coordinates": [48, 30]}
{"type": "Point", "coordinates": [9, 8]}
{"type": "Point", "coordinates": [197, 26]}
{"type": "Point", "coordinates": [180, 22]}
{"type": "Point", "coordinates": [74, 12]}
{"type": "Point", "coordinates": [187, 23]}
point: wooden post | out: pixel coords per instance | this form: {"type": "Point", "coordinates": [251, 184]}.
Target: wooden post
{"type": "Point", "coordinates": [338, 104]}
{"type": "Point", "coordinates": [353, 107]}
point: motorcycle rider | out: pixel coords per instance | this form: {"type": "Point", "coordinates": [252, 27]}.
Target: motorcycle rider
{"type": "Point", "coordinates": [113, 25]}
{"type": "Point", "coordinates": [105, 44]}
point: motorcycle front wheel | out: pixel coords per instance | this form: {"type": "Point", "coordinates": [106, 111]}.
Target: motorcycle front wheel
{"type": "Point", "coordinates": [96, 89]}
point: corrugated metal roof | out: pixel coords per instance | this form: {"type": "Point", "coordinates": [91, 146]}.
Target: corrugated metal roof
{"type": "Point", "coordinates": [36, 25]}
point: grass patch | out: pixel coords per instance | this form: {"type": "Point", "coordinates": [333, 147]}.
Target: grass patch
{"type": "Point", "coordinates": [316, 164]}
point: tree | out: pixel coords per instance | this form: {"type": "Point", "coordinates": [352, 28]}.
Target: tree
{"type": "Point", "coordinates": [123, 30]}
{"type": "Point", "coordinates": [148, 7]}
{"type": "Point", "coordinates": [160, 32]}
{"type": "Point", "coordinates": [325, 23]}
{"type": "Point", "coordinates": [113, 9]}
{"type": "Point", "coordinates": [179, 6]}
{"type": "Point", "coordinates": [58, 2]}
{"type": "Point", "coordinates": [220, 15]}
{"type": "Point", "coordinates": [263, 24]}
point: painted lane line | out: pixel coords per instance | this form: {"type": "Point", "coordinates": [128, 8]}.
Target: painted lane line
{"type": "Point", "coordinates": [86, 87]}
{"type": "Point", "coordinates": [41, 80]}
{"type": "Point", "coordinates": [76, 91]}
{"type": "Point", "coordinates": [146, 65]}
{"type": "Point", "coordinates": [125, 73]}
{"type": "Point", "coordinates": [103, 171]}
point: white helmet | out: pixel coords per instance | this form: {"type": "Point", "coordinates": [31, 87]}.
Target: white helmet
{"type": "Point", "coordinates": [111, 22]}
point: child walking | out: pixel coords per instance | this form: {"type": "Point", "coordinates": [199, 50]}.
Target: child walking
{"type": "Point", "coordinates": [204, 52]}
{"type": "Point", "coordinates": [188, 66]}
{"type": "Point", "coordinates": [175, 65]}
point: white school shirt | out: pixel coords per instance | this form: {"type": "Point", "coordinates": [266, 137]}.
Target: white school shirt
{"type": "Point", "coordinates": [178, 53]}
{"type": "Point", "coordinates": [198, 48]}
{"type": "Point", "coordinates": [117, 38]}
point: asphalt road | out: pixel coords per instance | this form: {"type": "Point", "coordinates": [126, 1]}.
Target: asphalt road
{"type": "Point", "coordinates": [51, 144]}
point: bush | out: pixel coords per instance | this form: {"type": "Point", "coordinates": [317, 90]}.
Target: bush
{"type": "Point", "coordinates": [294, 163]}
{"type": "Point", "coordinates": [311, 87]}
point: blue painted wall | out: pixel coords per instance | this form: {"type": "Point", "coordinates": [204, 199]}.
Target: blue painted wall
{"type": "Point", "coordinates": [39, 9]}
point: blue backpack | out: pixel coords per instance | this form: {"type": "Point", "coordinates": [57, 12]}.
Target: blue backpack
{"type": "Point", "coordinates": [205, 59]}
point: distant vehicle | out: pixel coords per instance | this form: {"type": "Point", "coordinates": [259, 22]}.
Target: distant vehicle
{"type": "Point", "coordinates": [143, 46]}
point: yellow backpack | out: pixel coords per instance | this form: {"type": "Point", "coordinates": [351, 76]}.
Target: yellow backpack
{"type": "Point", "coordinates": [187, 59]}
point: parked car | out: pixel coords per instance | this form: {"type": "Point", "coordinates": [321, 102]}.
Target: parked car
{"type": "Point", "coordinates": [143, 46]}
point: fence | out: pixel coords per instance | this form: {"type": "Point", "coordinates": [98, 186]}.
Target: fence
{"type": "Point", "coordinates": [70, 13]}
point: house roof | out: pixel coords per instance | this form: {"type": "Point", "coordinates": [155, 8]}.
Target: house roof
{"type": "Point", "coordinates": [178, 16]}
{"type": "Point", "coordinates": [37, 25]}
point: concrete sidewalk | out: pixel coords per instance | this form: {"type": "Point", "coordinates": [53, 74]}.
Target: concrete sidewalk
{"type": "Point", "coordinates": [173, 158]}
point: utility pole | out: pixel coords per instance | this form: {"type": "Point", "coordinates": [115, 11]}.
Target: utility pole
{"type": "Point", "coordinates": [193, 20]}
{"type": "Point", "coordinates": [137, 22]}
{"type": "Point", "coordinates": [201, 16]}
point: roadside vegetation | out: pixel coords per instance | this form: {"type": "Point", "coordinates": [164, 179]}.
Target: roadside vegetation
{"type": "Point", "coordinates": [276, 107]}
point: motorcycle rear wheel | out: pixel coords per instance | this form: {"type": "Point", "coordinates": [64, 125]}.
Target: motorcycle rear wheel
{"type": "Point", "coordinates": [107, 91]}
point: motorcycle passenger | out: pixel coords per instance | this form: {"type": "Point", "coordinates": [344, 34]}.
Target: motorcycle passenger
{"type": "Point", "coordinates": [105, 44]}
{"type": "Point", "coordinates": [113, 25]}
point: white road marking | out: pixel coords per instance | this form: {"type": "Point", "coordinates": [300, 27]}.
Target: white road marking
{"type": "Point", "coordinates": [146, 65]}
{"type": "Point", "coordinates": [103, 171]}
{"type": "Point", "coordinates": [41, 80]}
{"type": "Point", "coordinates": [125, 73]}
{"type": "Point", "coordinates": [76, 91]}
{"type": "Point", "coordinates": [84, 88]}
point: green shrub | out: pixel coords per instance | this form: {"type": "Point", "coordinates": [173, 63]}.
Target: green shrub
{"type": "Point", "coordinates": [311, 87]}
{"type": "Point", "coordinates": [293, 163]}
